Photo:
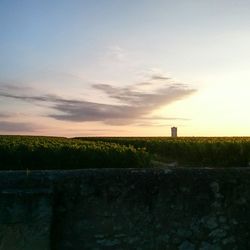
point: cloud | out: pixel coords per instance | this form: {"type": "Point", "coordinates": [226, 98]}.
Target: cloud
{"type": "Point", "coordinates": [165, 118]}
{"type": "Point", "coordinates": [81, 111]}
{"type": "Point", "coordinates": [16, 127]}
{"type": "Point", "coordinates": [28, 98]}
{"type": "Point", "coordinates": [133, 103]}
{"type": "Point", "coordinates": [152, 124]}
{"type": "Point", "coordinates": [4, 115]}
{"type": "Point", "coordinates": [116, 53]}
{"type": "Point", "coordinates": [160, 77]}
{"type": "Point", "coordinates": [156, 74]}
{"type": "Point", "coordinates": [146, 99]}
{"type": "Point", "coordinates": [14, 87]}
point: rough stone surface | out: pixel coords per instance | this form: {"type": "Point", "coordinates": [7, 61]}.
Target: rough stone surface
{"type": "Point", "coordinates": [123, 209]}
{"type": "Point", "coordinates": [25, 217]}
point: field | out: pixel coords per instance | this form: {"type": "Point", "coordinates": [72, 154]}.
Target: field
{"type": "Point", "coordinates": [30, 152]}
{"type": "Point", "coordinates": [190, 151]}
{"type": "Point", "coordinates": [34, 152]}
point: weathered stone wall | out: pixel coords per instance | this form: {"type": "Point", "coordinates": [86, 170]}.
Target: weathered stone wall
{"type": "Point", "coordinates": [25, 212]}
{"type": "Point", "coordinates": [185, 209]}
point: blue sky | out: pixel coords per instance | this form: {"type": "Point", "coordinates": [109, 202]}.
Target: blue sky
{"type": "Point", "coordinates": [73, 67]}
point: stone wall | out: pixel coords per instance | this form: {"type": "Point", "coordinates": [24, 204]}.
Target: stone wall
{"type": "Point", "coordinates": [158, 209]}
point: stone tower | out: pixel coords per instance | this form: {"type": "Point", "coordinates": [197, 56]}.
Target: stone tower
{"type": "Point", "coordinates": [174, 132]}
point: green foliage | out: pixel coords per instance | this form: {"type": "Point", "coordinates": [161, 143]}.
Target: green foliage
{"type": "Point", "coordinates": [31, 152]}
{"type": "Point", "coordinates": [191, 151]}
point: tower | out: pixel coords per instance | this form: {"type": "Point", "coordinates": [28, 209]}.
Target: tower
{"type": "Point", "coordinates": [174, 132]}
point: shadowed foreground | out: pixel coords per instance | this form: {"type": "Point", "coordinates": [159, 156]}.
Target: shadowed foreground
{"type": "Point", "coordinates": [143, 209]}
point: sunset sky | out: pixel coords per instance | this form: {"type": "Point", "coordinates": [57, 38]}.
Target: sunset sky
{"type": "Point", "coordinates": [125, 68]}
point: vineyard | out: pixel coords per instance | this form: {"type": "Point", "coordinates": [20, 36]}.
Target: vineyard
{"type": "Point", "coordinates": [31, 152]}
{"type": "Point", "coordinates": [190, 151]}
{"type": "Point", "coordinates": [34, 152]}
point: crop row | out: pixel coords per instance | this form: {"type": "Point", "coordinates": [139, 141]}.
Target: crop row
{"type": "Point", "coordinates": [30, 152]}
{"type": "Point", "coordinates": [191, 151]}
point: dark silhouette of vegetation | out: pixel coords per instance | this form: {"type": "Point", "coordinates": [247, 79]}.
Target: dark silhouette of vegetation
{"type": "Point", "coordinates": [191, 151]}
{"type": "Point", "coordinates": [34, 152]}
{"type": "Point", "coordinates": [31, 152]}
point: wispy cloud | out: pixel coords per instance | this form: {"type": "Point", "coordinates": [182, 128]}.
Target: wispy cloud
{"type": "Point", "coordinates": [116, 53]}
{"type": "Point", "coordinates": [160, 77]}
{"type": "Point", "coordinates": [160, 118]}
{"type": "Point", "coordinates": [4, 115]}
{"type": "Point", "coordinates": [14, 87]}
{"type": "Point", "coordinates": [133, 103]}
{"type": "Point", "coordinates": [144, 102]}
{"type": "Point", "coordinates": [6, 126]}
{"type": "Point", "coordinates": [28, 98]}
{"type": "Point", "coordinates": [152, 124]}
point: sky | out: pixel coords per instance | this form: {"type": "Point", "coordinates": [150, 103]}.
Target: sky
{"type": "Point", "coordinates": [125, 68]}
